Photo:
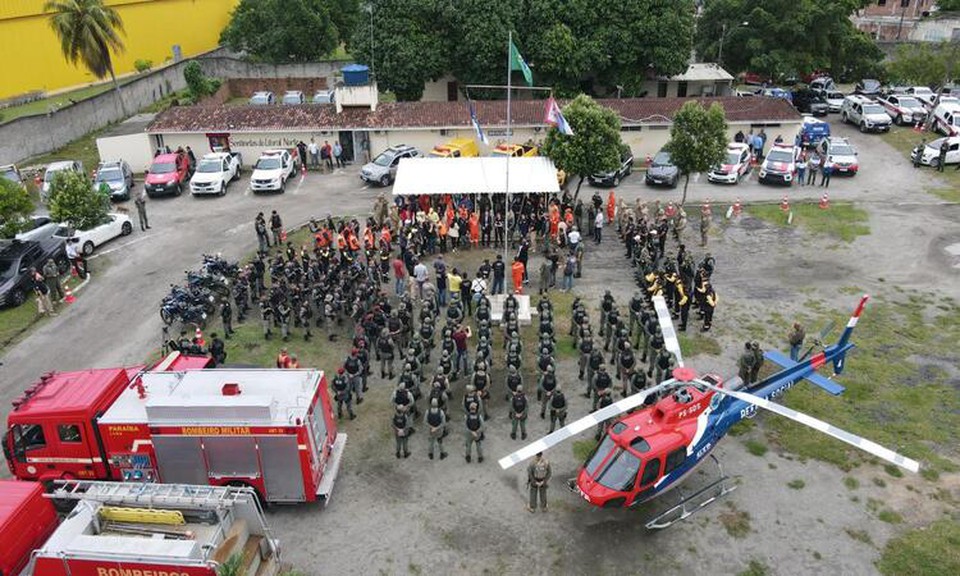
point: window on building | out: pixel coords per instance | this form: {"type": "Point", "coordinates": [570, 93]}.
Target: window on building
{"type": "Point", "coordinates": [881, 2]}
{"type": "Point", "coordinates": [674, 460]}
{"type": "Point", "coordinates": [69, 433]}
{"type": "Point", "coordinates": [681, 89]}
{"type": "Point", "coordinates": [662, 89]}
{"type": "Point", "coordinates": [452, 91]}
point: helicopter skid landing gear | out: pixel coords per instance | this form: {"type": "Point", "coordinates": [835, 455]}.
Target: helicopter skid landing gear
{"type": "Point", "coordinates": [693, 503]}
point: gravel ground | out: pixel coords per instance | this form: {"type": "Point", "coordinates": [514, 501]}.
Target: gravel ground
{"type": "Point", "coordinates": [421, 516]}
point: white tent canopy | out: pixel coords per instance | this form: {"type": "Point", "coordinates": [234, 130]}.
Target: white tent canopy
{"type": "Point", "coordinates": [486, 175]}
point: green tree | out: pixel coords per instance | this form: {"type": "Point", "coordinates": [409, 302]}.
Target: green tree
{"type": "Point", "coordinates": [15, 207]}
{"type": "Point", "coordinates": [595, 145]}
{"type": "Point", "coordinates": [698, 139]}
{"type": "Point", "coordinates": [949, 5]}
{"type": "Point", "coordinates": [73, 199]}
{"type": "Point", "coordinates": [88, 31]}
{"type": "Point", "coordinates": [404, 48]}
{"type": "Point", "coordinates": [198, 84]}
{"type": "Point", "coordinates": [289, 30]}
{"type": "Point", "coordinates": [924, 64]}
{"type": "Point", "coordinates": [784, 38]}
{"type": "Point", "coordinates": [480, 29]}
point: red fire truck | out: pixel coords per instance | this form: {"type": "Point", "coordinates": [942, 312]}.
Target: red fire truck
{"type": "Point", "coordinates": [130, 529]}
{"type": "Point", "coordinates": [272, 430]}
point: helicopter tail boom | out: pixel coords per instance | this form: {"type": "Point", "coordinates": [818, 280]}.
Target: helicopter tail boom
{"type": "Point", "coordinates": [814, 378]}
{"type": "Point", "coordinates": [845, 336]}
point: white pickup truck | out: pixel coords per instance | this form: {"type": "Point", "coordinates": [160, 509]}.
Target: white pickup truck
{"type": "Point", "coordinates": [214, 173]}
{"type": "Point", "coordinates": [273, 169]}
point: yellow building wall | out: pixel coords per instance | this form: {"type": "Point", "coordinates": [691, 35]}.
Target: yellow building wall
{"type": "Point", "coordinates": [31, 52]}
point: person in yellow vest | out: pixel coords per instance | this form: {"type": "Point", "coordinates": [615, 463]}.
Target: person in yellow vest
{"type": "Point", "coordinates": [710, 306]}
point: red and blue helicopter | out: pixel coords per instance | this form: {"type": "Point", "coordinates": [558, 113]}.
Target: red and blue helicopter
{"type": "Point", "coordinates": [651, 450]}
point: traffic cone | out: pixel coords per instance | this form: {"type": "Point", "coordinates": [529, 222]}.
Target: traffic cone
{"type": "Point", "coordinates": [68, 296]}
{"type": "Point", "coordinates": [785, 204]}
{"type": "Point", "coordinates": [824, 201]}
{"type": "Point", "coordinates": [737, 208]}
{"type": "Point", "coordinates": [198, 336]}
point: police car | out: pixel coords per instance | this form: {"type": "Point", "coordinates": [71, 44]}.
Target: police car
{"type": "Point", "coordinates": [780, 165]}
{"type": "Point", "coordinates": [840, 155]}
{"type": "Point", "coordinates": [735, 164]}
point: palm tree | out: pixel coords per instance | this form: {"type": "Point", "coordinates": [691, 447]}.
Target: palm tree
{"type": "Point", "coordinates": [88, 32]}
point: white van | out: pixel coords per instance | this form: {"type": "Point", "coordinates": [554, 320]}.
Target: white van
{"type": "Point", "coordinates": [946, 119]}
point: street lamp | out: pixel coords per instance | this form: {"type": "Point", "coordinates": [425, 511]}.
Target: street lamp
{"type": "Point", "coordinates": [723, 34]}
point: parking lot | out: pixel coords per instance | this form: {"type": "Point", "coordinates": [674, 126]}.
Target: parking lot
{"type": "Point", "coordinates": [419, 516]}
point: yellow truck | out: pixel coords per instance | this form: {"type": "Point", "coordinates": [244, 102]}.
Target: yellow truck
{"type": "Point", "coordinates": [456, 148]}
{"type": "Point", "coordinates": [515, 150]}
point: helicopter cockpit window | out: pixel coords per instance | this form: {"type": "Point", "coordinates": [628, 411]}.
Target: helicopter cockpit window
{"type": "Point", "coordinates": [618, 427]}
{"type": "Point", "coordinates": [675, 459]}
{"type": "Point", "coordinates": [601, 453]}
{"type": "Point", "coordinates": [621, 472]}
{"type": "Point", "coordinates": [640, 445]}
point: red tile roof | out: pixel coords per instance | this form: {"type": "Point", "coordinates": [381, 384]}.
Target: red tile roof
{"type": "Point", "coordinates": [399, 115]}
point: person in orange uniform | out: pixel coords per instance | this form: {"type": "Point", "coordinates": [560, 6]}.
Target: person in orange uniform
{"type": "Point", "coordinates": [554, 221]}
{"type": "Point", "coordinates": [611, 207]}
{"type": "Point", "coordinates": [293, 364]}
{"type": "Point", "coordinates": [474, 226]}
{"type": "Point", "coordinates": [517, 271]}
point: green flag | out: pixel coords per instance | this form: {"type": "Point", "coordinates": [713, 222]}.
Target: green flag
{"type": "Point", "coordinates": [517, 63]}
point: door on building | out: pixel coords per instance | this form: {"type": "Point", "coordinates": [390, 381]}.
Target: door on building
{"type": "Point", "coordinates": [346, 142]}
{"type": "Point", "coordinates": [361, 146]}
{"type": "Point", "coordinates": [219, 141]}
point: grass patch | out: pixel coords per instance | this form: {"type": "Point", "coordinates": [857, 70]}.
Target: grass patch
{"type": "Point", "coordinates": [697, 344]}
{"type": "Point", "coordinates": [755, 447]}
{"type": "Point", "coordinates": [742, 427]}
{"type": "Point", "coordinates": [83, 149]}
{"type": "Point", "coordinates": [893, 470]}
{"type": "Point", "coordinates": [930, 474]}
{"type": "Point", "coordinates": [583, 448]}
{"type": "Point", "coordinates": [797, 484]}
{"type": "Point", "coordinates": [930, 551]}
{"type": "Point", "coordinates": [755, 568]}
{"type": "Point", "coordinates": [880, 482]}
{"type": "Point", "coordinates": [15, 323]}
{"type": "Point", "coordinates": [904, 139]}
{"type": "Point", "coordinates": [887, 400]}
{"type": "Point", "coordinates": [859, 535]}
{"type": "Point", "coordinates": [843, 220]}
{"type": "Point", "coordinates": [851, 483]}
{"type": "Point", "coordinates": [890, 517]}
{"type": "Point", "coordinates": [736, 522]}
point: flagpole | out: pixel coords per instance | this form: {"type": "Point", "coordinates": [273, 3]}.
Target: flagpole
{"type": "Point", "coordinates": [506, 206]}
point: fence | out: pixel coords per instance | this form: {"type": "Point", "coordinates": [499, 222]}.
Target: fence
{"type": "Point", "coordinates": [30, 136]}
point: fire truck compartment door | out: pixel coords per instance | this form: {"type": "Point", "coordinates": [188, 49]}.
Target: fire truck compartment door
{"type": "Point", "coordinates": [282, 475]}
{"type": "Point", "coordinates": [232, 456]}
{"type": "Point", "coordinates": [180, 460]}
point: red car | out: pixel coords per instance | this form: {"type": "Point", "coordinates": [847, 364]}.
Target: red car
{"type": "Point", "coordinates": [168, 175]}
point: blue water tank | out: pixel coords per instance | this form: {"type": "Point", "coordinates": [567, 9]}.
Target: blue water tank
{"type": "Point", "coordinates": [356, 75]}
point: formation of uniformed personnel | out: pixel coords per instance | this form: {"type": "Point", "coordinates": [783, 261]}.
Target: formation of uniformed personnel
{"type": "Point", "coordinates": [343, 394]}
{"type": "Point", "coordinates": [401, 432]}
{"type": "Point", "coordinates": [518, 413]}
{"type": "Point", "coordinates": [538, 475]}
{"type": "Point", "coordinates": [436, 422]}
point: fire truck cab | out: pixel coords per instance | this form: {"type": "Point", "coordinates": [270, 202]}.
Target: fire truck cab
{"type": "Point", "coordinates": [271, 430]}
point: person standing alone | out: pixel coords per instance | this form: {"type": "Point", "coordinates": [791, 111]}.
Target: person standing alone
{"type": "Point", "coordinates": [141, 203]}
{"type": "Point", "coordinates": [538, 474]}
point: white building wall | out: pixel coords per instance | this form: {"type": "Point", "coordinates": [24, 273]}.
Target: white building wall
{"type": "Point", "coordinates": [134, 148]}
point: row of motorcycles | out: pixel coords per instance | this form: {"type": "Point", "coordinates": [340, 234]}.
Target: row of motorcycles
{"type": "Point", "coordinates": [204, 289]}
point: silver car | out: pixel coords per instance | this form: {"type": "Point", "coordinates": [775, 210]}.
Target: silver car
{"type": "Point", "coordinates": [117, 176]}
{"type": "Point", "coordinates": [383, 169]}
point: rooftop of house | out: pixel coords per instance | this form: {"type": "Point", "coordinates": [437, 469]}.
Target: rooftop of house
{"type": "Point", "coordinates": [412, 115]}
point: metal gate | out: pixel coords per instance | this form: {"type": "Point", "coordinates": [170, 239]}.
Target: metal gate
{"type": "Point", "coordinates": [180, 460]}
{"type": "Point", "coordinates": [282, 476]}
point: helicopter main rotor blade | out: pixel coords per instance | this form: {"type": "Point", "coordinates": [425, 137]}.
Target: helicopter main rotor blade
{"type": "Point", "coordinates": [670, 340]}
{"type": "Point", "coordinates": [828, 429]}
{"type": "Point", "coordinates": [578, 426]}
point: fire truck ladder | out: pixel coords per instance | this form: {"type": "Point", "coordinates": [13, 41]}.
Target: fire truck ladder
{"type": "Point", "coordinates": [157, 495]}
{"type": "Point", "coordinates": [161, 495]}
